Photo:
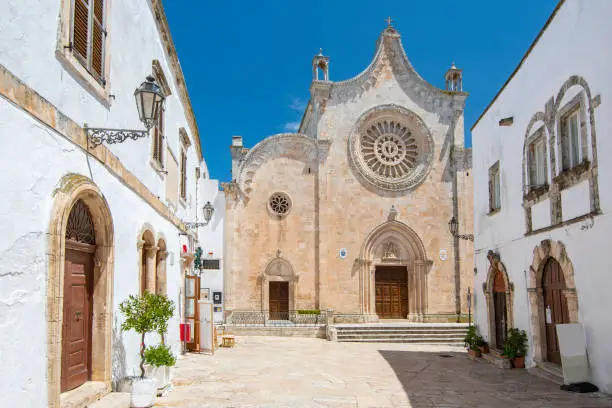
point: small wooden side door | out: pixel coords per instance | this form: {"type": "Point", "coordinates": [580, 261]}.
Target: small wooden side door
{"type": "Point", "coordinates": [279, 301]}
{"type": "Point", "coordinates": [555, 307]}
{"type": "Point", "coordinates": [76, 326]}
{"type": "Point", "coordinates": [192, 314]}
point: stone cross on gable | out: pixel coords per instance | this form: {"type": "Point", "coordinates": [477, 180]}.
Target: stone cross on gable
{"type": "Point", "coordinates": [388, 20]}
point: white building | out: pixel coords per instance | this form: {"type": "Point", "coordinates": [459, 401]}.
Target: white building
{"type": "Point", "coordinates": [210, 239]}
{"type": "Point", "coordinates": [541, 197]}
{"type": "Point", "coordinates": [104, 222]}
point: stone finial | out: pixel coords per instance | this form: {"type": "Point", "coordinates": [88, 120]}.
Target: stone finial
{"type": "Point", "coordinates": [392, 214]}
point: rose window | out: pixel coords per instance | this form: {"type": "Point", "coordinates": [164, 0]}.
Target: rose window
{"type": "Point", "coordinates": [392, 148]}
{"type": "Point", "coordinates": [279, 204]}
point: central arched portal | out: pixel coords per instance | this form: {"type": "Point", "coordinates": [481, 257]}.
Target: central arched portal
{"type": "Point", "coordinates": [393, 273]}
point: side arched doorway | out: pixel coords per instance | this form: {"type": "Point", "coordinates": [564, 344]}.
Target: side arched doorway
{"type": "Point", "coordinates": [555, 307]}
{"type": "Point", "coordinates": [552, 297]}
{"type": "Point", "coordinates": [498, 294]}
{"type": "Point", "coordinates": [79, 287]}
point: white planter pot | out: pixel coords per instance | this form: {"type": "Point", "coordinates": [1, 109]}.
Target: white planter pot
{"type": "Point", "coordinates": [162, 375]}
{"type": "Point", "coordinates": [143, 392]}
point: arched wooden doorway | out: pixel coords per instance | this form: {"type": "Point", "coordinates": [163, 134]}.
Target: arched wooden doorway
{"type": "Point", "coordinates": [78, 297]}
{"type": "Point", "coordinates": [499, 307]}
{"type": "Point", "coordinates": [555, 307]}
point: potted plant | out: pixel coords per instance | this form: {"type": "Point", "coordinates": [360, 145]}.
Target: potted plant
{"type": "Point", "coordinates": [472, 340]}
{"type": "Point", "coordinates": [159, 359]}
{"type": "Point", "coordinates": [139, 315]}
{"type": "Point", "coordinates": [484, 347]}
{"type": "Point", "coordinates": [515, 347]}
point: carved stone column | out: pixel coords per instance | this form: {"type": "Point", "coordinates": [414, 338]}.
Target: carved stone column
{"type": "Point", "coordinates": [421, 267]}
{"type": "Point", "coordinates": [161, 272]}
{"type": "Point", "coordinates": [413, 302]}
{"type": "Point", "coordinates": [150, 267]}
{"type": "Point", "coordinates": [536, 301]}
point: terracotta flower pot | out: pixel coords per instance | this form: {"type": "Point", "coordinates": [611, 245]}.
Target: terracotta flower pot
{"type": "Point", "coordinates": [484, 349]}
{"type": "Point", "coordinates": [474, 353]}
{"type": "Point", "coordinates": [518, 362]}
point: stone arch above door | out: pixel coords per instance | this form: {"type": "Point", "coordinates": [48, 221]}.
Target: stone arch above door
{"type": "Point", "coordinates": [278, 269]}
{"type": "Point", "coordinates": [497, 269]}
{"type": "Point", "coordinates": [394, 243]}
{"type": "Point", "coordinates": [541, 253]}
{"type": "Point", "coordinates": [71, 189]}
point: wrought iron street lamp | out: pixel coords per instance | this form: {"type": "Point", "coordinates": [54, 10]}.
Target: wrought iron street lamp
{"type": "Point", "coordinates": [208, 211]}
{"type": "Point", "coordinates": [149, 99]}
{"type": "Point", "coordinates": [453, 226]}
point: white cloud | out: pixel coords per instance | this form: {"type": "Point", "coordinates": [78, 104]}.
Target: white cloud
{"type": "Point", "coordinates": [292, 126]}
{"type": "Point", "coordinates": [298, 104]}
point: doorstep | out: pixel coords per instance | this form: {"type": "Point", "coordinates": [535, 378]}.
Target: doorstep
{"type": "Point", "coordinates": [548, 371]}
{"type": "Point", "coordinates": [494, 357]}
{"type": "Point", "coordinates": [113, 400]}
{"type": "Point", "coordinates": [84, 395]}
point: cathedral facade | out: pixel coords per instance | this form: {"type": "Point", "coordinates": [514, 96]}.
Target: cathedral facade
{"type": "Point", "coordinates": [352, 212]}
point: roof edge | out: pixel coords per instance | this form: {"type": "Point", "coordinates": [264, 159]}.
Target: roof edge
{"type": "Point", "coordinates": [513, 74]}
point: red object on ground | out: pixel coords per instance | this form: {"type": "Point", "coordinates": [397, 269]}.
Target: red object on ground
{"type": "Point", "coordinates": [185, 332]}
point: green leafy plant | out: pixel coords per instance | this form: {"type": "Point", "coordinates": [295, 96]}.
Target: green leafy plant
{"type": "Point", "coordinates": [159, 355]}
{"type": "Point", "coordinates": [472, 339]}
{"type": "Point", "coordinates": [309, 312]}
{"type": "Point", "coordinates": [145, 314]}
{"type": "Point", "coordinates": [197, 260]}
{"type": "Point", "coordinates": [516, 344]}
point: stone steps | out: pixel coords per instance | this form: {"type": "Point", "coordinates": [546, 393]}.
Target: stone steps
{"type": "Point", "coordinates": [113, 400]}
{"type": "Point", "coordinates": [425, 333]}
{"type": "Point", "coordinates": [549, 372]}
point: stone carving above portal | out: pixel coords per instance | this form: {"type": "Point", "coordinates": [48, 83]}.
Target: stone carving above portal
{"type": "Point", "coordinates": [390, 251]}
{"type": "Point", "coordinates": [391, 148]}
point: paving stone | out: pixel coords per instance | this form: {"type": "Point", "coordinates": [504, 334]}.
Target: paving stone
{"type": "Point", "coordinates": [280, 372]}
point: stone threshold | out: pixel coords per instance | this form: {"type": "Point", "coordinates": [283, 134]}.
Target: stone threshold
{"type": "Point", "coordinates": [494, 357]}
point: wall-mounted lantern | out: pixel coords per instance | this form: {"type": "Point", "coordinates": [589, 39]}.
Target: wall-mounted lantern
{"type": "Point", "coordinates": [149, 99]}
{"type": "Point", "coordinates": [208, 210]}
{"type": "Point", "coordinates": [453, 226]}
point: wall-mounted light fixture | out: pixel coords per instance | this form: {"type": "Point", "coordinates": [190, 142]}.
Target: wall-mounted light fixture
{"type": "Point", "coordinates": [208, 211]}
{"type": "Point", "coordinates": [453, 226]}
{"type": "Point", "coordinates": [149, 99]}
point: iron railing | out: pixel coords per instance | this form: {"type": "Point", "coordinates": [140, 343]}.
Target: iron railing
{"type": "Point", "coordinates": [291, 318]}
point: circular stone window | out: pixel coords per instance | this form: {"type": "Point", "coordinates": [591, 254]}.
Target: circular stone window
{"type": "Point", "coordinates": [391, 148]}
{"type": "Point", "coordinates": [279, 204]}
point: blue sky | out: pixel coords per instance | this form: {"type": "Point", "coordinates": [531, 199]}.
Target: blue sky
{"type": "Point", "coordinates": [247, 63]}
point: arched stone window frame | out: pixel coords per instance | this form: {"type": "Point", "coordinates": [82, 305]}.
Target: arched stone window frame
{"type": "Point", "coordinates": [497, 266]}
{"type": "Point", "coordinates": [71, 188]}
{"type": "Point", "coordinates": [553, 114]}
{"type": "Point", "coordinates": [541, 253]}
{"type": "Point", "coordinates": [147, 259]}
{"type": "Point", "coordinates": [278, 269]}
{"type": "Point", "coordinates": [161, 278]}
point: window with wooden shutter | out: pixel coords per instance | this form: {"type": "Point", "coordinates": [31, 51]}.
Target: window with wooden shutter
{"type": "Point", "coordinates": [89, 36]}
{"type": "Point", "coordinates": [183, 175]}
{"type": "Point", "coordinates": [494, 188]}
{"type": "Point", "coordinates": [158, 139]}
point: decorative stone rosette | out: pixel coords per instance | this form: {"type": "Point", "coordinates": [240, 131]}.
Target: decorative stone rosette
{"type": "Point", "coordinates": [391, 148]}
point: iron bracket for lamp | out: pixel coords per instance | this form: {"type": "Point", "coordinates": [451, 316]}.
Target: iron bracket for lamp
{"type": "Point", "coordinates": [192, 225]}
{"type": "Point", "coordinates": [97, 136]}
{"type": "Point", "coordinates": [467, 237]}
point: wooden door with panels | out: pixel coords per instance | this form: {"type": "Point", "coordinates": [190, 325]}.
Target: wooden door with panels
{"type": "Point", "coordinates": [499, 304]}
{"type": "Point", "coordinates": [391, 287]}
{"type": "Point", "coordinates": [77, 315]}
{"type": "Point", "coordinates": [279, 301]}
{"type": "Point", "coordinates": [555, 307]}
{"type": "Point", "coordinates": [192, 313]}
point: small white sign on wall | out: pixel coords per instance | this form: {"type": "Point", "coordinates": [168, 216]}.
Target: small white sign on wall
{"type": "Point", "coordinates": [443, 255]}
{"type": "Point", "coordinates": [342, 253]}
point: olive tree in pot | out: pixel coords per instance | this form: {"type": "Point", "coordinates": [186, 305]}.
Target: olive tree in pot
{"type": "Point", "coordinates": [515, 347]}
{"type": "Point", "coordinates": [159, 359]}
{"type": "Point", "coordinates": [141, 315]}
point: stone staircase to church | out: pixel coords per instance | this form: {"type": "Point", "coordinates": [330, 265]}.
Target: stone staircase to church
{"type": "Point", "coordinates": [415, 333]}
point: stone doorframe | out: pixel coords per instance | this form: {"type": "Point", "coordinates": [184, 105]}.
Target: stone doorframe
{"type": "Point", "coordinates": [394, 243]}
{"type": "Point", "coordinates": [277, 270]}
{"type": "Point", "coordinates": [73, 187]}
{"type": "Point", "coordinates": [495, 265]}
{"type": "Point", "coordinates": [541, 253]}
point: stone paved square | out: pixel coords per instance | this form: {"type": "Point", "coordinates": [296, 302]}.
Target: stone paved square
{"type": "Point", "coordinates": [304, 373]}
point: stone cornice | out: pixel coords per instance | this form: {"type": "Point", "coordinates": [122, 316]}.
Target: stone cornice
{"type": "Point", "coordinates": [175, 65]}
{"type": "Point", "coordinates": [24, 97]}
